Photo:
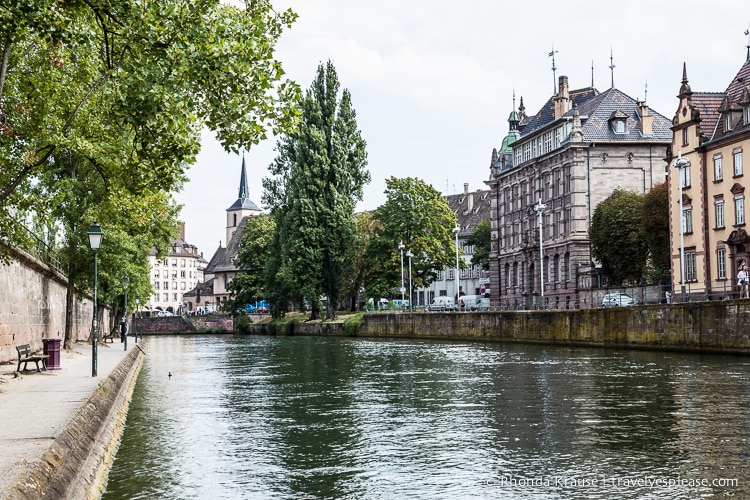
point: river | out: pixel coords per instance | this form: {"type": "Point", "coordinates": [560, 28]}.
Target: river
{"type": "Point", "coordinates": [314, 417]}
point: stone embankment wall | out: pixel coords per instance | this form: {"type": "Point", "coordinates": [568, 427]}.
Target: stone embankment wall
{"type": "Point", "coordinates": [77, 463]}
{"type": "Point", "coordinates": [214, 323]}
{"type": "Point", "coordinates": [33, 305]}
{"type": "Point", "coordinates": [719, 326]}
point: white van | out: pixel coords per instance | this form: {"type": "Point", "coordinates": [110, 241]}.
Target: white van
{"type": "Point", "coordinates": [474, 303]}
{"type": "Point", "coordinates": [442, 303]}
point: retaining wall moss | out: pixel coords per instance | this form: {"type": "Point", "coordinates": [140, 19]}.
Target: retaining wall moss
{"type": "Point", "coordinates": [722, 327]}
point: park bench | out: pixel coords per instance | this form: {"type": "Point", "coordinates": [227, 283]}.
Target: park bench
{"type": "Point", "coordinates": [109, 337]}
{"type": "Point", "coordinates": [25, 356]}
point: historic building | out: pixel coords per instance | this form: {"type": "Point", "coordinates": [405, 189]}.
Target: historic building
{"type": "Point", "coordinates": [221, 269]}
{"type": "Point", "coordinates": [174, 275]}
{"type": "Point", "coordinates": [470, 208]}
{"type": "Point", "coordinates": [551, 171]}
{"type": "Point", "coordinates": [709, 240]}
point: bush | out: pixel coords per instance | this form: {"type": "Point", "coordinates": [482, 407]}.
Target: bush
{"type": "Point", "coordinates": [351, 324]}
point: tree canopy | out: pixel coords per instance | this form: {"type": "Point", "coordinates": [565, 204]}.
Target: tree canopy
{"type": "Point", "coordinates": [317, 178]}
{"type": "Point", "coordinates": [655, 228]}
{"type": "Point", "coordinates": [417, 215]}
{"type": "Point", "coordinates": [617, 241]}
{"type": "Point", "coordinates": [481, 240]}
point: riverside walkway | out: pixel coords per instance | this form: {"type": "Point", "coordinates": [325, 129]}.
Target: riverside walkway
{"type": "Point", "coordinates": [36, 407]}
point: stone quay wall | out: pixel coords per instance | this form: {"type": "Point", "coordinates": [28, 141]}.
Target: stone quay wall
{"type": "Point", "coordinates": [719, 326]}
{"type": "Point", "coordinates": [715, 327]}
{"type": "Point", "coordinates": [33, 305]}
{"type": "Point", "coordinates": [214, 323]}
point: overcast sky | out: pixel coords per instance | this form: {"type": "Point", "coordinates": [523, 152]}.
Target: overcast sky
{"type": "Point", "coordinates": [432, 82]}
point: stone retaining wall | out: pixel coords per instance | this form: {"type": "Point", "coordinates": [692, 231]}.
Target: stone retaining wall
{"type": "Point", "coordinates": [33, 305]}
{"type": "Point", "coordinates": [718, 326]}
{"type": "Point", "coordinates": [77, 463]}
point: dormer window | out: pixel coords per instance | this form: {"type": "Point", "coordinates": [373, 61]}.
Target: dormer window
{"type": "Point", "coordinates": [618, 122]}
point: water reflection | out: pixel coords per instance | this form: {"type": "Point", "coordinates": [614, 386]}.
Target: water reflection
{"type": "Point", "coordinates": [267, 417]}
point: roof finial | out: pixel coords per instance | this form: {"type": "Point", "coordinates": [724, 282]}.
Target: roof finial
{"type": "Point", "coordinates": [612, 67]}
{"type": "Point", "coordinates": [747, 34]}
{"type": "Point", "coordinates": [554, 78]}
{"type": "Point", "coordinates": [592, 73]}
{"type": "Point", "coordinates": [645, 93]}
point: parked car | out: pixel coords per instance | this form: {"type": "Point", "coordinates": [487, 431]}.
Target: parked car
{"type": "Point", "coordinates": [442, 303]}
{"type": "Point", "coordinates": [618, 299]}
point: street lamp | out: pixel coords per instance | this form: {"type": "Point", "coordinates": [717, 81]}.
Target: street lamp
{"type": "Point", "coordinates": [411, 306]}
{"type": "Point", "coordinates": [539, 208]}
{"type": "Point", "coordinates": [125, 282]}
{"type": "Point", "coordinates": [137, 313]}
{"type": "Point", "coordinates": [679, 164]}
{"type": "Point", "coordinates": [95, 241]}
{"type": "Point", "coordinates": [458, 286]}
{"type": "Point", "coordinates": [401, 249]}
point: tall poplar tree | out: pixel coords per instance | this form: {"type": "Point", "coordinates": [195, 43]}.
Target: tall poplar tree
{"type": "Point", "coordinates": [317, 179]}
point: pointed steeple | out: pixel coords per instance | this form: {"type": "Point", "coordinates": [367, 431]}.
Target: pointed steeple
{"type": "Point", "coordinates": [244, 189]}
{"type": "Point", "coordinates": [684, 88]}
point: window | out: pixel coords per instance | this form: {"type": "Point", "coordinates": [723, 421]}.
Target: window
{"type": "Point", "coordinates": [182, 274]}
{"type": "Point", "coordinates": [550, 227]}
{"type": "Point", "coordinates": [560, 224]}
{"type": "Point", "coordinates": [691, 273]}
{"type": "Point", "coordinates": [721, 263]}
{"type": "Point", "coordinates": [166, 285]}
{"type": "Point", "coordinates": [166, 297]}
{"type": "Point", "coordinates": [737, 162]}
{"type": "Point", "coordinates": [156, 285]}
{"type": "Point", "coordinates": [568, 184]}
{"type": "Point", "coordinates": [174, 297]}
{"type": "Point", "coordinates": [451, 274]}
{"type": "Point", "coordinates": [685, 176]}
{"type": "Point", "coordinates": [182, 286]}
{"type": "Point", "coordinates": [174, 285]}
{"type": "Point", "coordinates": [687, 220]}
{"type": "Point", "coordinates": [156, 273]}
{"type": "Point", "coordinates": [739, 210]}
{"type": "Point", "coordinates": [747, 115]}
{"type": "Point", "coordinates": [718, 171]}
{"type": "Point", "coordinates": [174, 262]}
{"type": "Point", "coordinates": [182, 263]}
{"type": "Point", "coordinates": [619, 126]}
{"type": "Point", "coordinates": [568, 221]}
{"type": "Point", "coordinates": [684, 137]}
{"type": "Point", "coordinates": [719, 208]}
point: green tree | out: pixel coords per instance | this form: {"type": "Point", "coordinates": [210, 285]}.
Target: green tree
{"type": "Point", "coordinates": [355, 265]}
{"type": "Point", "coordinates": [254, 253]}
{"type": "Point", "coordinates": [416, 214]}
{"type": "Point", "coordinates": [617, 241]}
{"type": "Point", "coordinates": [655, 228]}
{"type": "Point", "coordinates": [480, 238]}
{"type": "Point", "coordinates": [318, 178]}
{"type": "Point", "coordinates": [130, 86]}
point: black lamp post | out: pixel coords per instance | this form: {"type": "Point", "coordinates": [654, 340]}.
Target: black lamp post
{"type": "Point", "coordinates": [137, 313]}
{"type": "Point", "coordinates": [95, 241]}
{"type": "Point", "coordinates": [125, 282]}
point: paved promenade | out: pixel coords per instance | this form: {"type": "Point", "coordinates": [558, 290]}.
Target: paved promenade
{"type": "Point", "coordinates": [36, 407]}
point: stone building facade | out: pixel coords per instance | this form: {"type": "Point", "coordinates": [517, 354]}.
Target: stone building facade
{"type": "Point", "coordinates": [569, 156]}
{"type": "Point", "coordinates": [711, 134]}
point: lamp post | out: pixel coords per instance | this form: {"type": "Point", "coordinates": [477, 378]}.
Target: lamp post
{"type": "Point", "coordinates": [458, 285]}
{"type": "Point", "coordinates": [401, 249]}
{"type": "Point", "coordinates": [125, 282]}
{"type": "Point", "coordinates": [95, 241]}
{"type": "Point", "coordinates": [539, 208]}
{"type": "Point", "coordinates": [411, 289]}
{"type": "Point", "coordinates": [679, 164]}
{"type": "Point", "coordinates": [137, 313]}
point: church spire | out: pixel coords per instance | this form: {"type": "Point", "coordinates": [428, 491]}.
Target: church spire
{"type": "Point", "coordinates": [244, 192]}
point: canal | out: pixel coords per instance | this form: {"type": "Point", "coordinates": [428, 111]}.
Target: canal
{"type": "Point", "coordinates": [311, 417]}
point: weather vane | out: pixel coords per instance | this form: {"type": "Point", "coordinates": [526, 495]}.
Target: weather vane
{"type": "Point", "coordinates": [554, 78]}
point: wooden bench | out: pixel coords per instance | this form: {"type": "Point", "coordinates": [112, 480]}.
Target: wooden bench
{"type": "Point", "coordinates": [25, 356]}
{"type": "Point", "coordinates": [109, 337]}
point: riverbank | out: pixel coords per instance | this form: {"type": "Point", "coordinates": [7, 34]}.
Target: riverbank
{"type": "Point", "coordinates": [61, 428]}
{"type": "Point", "coordinates": [710, 327]}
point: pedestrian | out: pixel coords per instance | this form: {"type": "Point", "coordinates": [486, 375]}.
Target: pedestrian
{"type": "Point", "coordinates": [668, 296]}
{"type": "Point", "coordinates": [123, 329]}
{"type": "Point", "coordinates": [742, 278]}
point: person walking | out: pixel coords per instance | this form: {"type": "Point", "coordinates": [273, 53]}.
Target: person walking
{"type": "Point", "coordinates": [742, 278]}
{"type": "Point", "coordinates": [123, 329]}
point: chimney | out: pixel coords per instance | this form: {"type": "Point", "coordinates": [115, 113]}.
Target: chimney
{"type": "Point", "coordinates": [562, 99]}
{"type": "Point", "coordinates": [182, 231]}
{"type": "Point", "coordinates": [646, 120]}
{"type": "Point", "coordinates": [466, 187]}
{"type": "Point", "coordinates": [470, 202]}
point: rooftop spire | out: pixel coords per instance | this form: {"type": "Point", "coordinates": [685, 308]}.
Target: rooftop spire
{"type": "Point", "coordinates": [244, 189]}
{"type": "Point", "coordinates": [747, 34]}
{"type": "Point", "coordinates": [612, 67]}
{"type": "Point", "coordinates": [554, 78]}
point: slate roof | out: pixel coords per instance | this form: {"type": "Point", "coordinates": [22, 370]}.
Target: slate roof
{"type": "Point", "coordinates": [223, 258]}
{"type": "Point", "coordinates": [735, 98]}
{"type": "Point", "coordinates": [469, 219]}
{"type": "Point", "coordinates": [614, 103]}
{"type": "Point", "coordinates": [707, 104]}
{"type": "Point", "coordinates": [596, 110]}
{"type": "Point", "coordinates": [546, 115]}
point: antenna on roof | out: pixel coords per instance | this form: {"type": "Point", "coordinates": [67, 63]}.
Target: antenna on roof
{"type": "Point", "coordinates": [554, 78]}
{"type": "Point", "coordinates": [612, 67]}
